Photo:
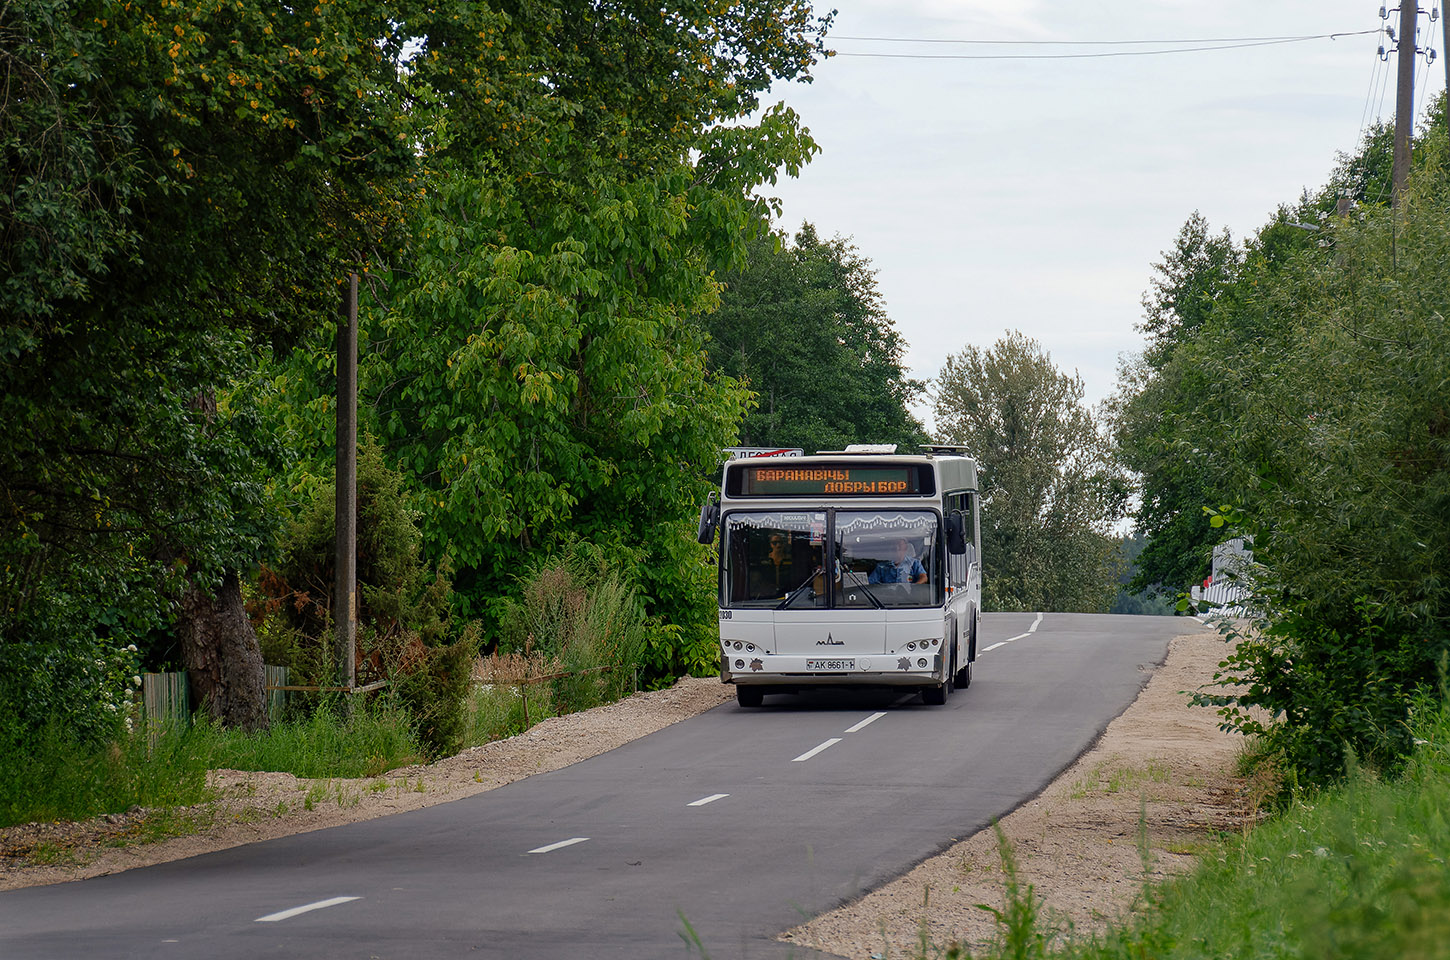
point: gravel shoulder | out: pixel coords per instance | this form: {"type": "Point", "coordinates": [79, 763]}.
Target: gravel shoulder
{"type": "Point", "coordinates": [1077, 842]}
{"type": "Point", "coordinates": [1162, 766]}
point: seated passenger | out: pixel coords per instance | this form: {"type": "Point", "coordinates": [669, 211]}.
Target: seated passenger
{"type": "Point", "coordinates": [903, 569]}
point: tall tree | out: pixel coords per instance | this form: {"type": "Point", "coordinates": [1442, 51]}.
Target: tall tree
{"type": "Point", "coordinates": [182, 184]}
{"type": "Point", "coordinates": [536, 365]}
{"type": "Point", "coordinates": [1311, 399]}
{"type": "Point", "coordinates": [1050, 491]}
{"type": "Point", "coordinates": [804, 326]}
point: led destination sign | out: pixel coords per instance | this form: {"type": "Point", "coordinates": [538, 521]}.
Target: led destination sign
{"type": "Point", "coordinates": [831, 479]}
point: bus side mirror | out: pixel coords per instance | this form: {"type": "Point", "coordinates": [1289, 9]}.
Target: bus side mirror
{"type": "Point", "coordinates": [709, 520]}
{"type": "Point", "coordinates": [956, 534]}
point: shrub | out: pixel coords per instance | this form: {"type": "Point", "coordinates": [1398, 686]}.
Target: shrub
{"type": "Point", "coordinates": [581, 618]}
{"type": "Point", "coordinates": [404, 631]}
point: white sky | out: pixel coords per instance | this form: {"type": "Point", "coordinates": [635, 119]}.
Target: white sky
{"type": "Point", "coordinates": [1037, 194]}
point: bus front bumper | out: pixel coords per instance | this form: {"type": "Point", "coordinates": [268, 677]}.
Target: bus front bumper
{"type": "Point", "coordinates": [885, 669]}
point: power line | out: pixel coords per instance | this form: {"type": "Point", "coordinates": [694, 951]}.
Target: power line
{"type": "Point", "coordinates": [1089, 56]}
{"type": "Point", "coordinates": [1107, 43]}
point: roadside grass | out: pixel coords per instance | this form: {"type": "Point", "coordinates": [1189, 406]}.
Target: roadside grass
{"type": "Point", "coordinates": [495, 711]}
{"type": "Point", "coordinates": [51, 776]}
{"type": "Point", "coordinates": [332, 742]}
{"type": "Point", "coordinates": [1358, 871]}
{"type": "Point", "coordinates": [1106, 778]}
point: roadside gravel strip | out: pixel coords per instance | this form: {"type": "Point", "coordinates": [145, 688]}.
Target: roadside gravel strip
{"type": "Point", "coordinates": [1076, 842]}
{"type": "Point", "coordinates": [1161, 762]}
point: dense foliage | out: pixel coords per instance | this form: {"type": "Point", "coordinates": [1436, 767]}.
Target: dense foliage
{"type": "Point", "coordinates": [1310, 395]}
{"type": "Point", "coordinates": [803, 326]}
{"type": "Point", "coordinates": [177, 179]}
{"type": "Point", "coordinates": [537, 194]}
{"type": "Point", "coordinates": [1050, 491]}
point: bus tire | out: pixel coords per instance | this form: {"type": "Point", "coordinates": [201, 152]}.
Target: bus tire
{"type": "Point", "coordinates": [964, 675]}
{"type": "Point", "coordinates": [937, 695]}
{"type": "Point", "coordinates": [749, 695]}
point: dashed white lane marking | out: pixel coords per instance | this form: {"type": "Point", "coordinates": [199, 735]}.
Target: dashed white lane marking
{"type": "Point", "coordinates": [549, 848]}
{"type": "Point", "coordinates": [1021, 636]}
{"type": "Point", "coordinates": [710, 799]}
{"type": "Point", "coordinates": [817, 749]}
{"type": "Point", "coordinates": [305, 908]}
{"type": "Point", "coordinates": [862, 725]}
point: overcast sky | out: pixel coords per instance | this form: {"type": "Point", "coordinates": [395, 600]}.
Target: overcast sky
{"type": "Point", "coordinates": [1037, 194]}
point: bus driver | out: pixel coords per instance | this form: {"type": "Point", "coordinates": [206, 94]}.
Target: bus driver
{"type": "Point", "coordinates": [903, 569]}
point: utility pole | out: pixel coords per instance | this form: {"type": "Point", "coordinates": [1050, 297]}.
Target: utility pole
{"type": "Point", "coordinates": [345, 569]}
{"type": "Point", "coordinates": [1404, 97]}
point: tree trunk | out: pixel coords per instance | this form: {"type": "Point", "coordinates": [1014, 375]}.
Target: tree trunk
{"type": "Point", "coordinates": [219, 649]}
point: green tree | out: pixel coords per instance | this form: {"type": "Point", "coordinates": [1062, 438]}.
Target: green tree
{"type": "Point", "coordinates": [1311, 399]}
{"type": "Point", "coordinates": [1174, 404]}
{"type": "Point", "coordinates": [537, 370]}
{"type": "Point", "coordinates": [804, 327]}
{"type": "Point", "coordinates": [1050, 491]}
{"type": "Point", "coordinates": [181, 186]}
{"type": "Point", "coordinates": [1349, 505]}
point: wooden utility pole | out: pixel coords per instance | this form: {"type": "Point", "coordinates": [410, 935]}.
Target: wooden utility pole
{"type": "Point", "coordinates": [345, 583]}
{"type": "Point", "coordinates": [1405, 96]}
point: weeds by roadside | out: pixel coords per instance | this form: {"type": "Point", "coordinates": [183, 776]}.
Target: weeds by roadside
{"type": "Point", "coordinates": [1357, 871]}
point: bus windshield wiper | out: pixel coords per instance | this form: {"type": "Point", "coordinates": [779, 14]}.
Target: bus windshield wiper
{"type": "Point", "coordinates": [789, 597]}
{"type": "Point", "coordinates": [871, 595]}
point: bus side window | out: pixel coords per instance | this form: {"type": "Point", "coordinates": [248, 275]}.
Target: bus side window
{"type": "Point", "coordinates": [957, 563]}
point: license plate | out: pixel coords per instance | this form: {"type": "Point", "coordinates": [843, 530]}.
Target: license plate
{"type": "Point", "coordinates": [830, 664]}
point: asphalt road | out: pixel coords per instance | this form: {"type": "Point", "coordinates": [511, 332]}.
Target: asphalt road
{"type": "Point", "coordinates": [736, 825]}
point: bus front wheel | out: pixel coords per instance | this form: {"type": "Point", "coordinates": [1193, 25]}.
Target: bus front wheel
{"type": "Point", "coordinates": [937, 695]}
{"type": "Point", "coordinates": [934, 696]}
{"type": "Point", "coordinates": [964, 675]}
{"type": "Point", "coordinates": [749, 696]}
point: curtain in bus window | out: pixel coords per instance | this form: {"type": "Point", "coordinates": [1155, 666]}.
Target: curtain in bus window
{"type": "Point", "coordinates": [889, 558]}
{"type": "Point", "coordinates": [775, 559]}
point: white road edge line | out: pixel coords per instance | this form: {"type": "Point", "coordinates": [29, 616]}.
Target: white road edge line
{"type": "Point", "coordinates": [710, 799]}
{"type": "Point", "coordinates": [1035, 624]}
{"type": "Point", "coordinates": [815, 750]}
{"type": "Point", "coordinates": [287, 914]}
{"type": "Point", "coordinates": [555, 846]}
{"type": "Point", "coordinates": [995, 646]}
{"type": "Point", "coordinates": [869, 720]}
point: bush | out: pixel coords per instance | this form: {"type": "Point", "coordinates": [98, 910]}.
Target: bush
{"type": "Point", "coordinates": [580, 618]}
{"type": "Point", "coordinates": [82, 685]}
{"type": "Point", "coordinates": [404, 635]}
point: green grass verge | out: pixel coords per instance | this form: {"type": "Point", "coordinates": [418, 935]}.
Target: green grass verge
{"type": "Point", "coordinates": [1359, 871]}
{"type": "Point", "coordinates": [368, 741]}
{"type": "Point", "coordinates": [51, 777]}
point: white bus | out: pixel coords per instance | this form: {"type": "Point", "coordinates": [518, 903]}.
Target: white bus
{"type": "Point", "coordinates": [856, 567]}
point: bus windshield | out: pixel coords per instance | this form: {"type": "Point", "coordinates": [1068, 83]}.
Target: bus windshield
{"type": "Point", "coordinates": [878, 558]}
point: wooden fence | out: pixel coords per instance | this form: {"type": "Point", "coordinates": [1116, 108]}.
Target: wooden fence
{"type": "Point", "coordinates": [165, 698]}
